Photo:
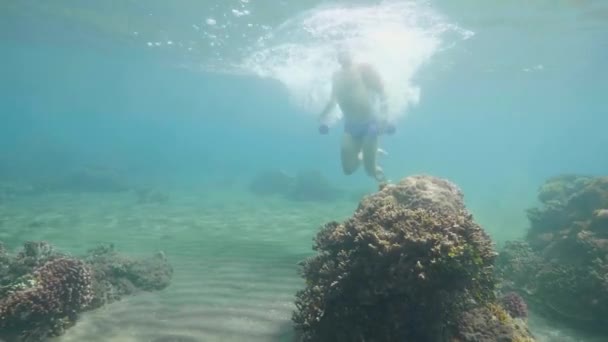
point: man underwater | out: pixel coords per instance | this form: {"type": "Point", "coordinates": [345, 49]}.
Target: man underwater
{"type": "Point", "coordinates": [353, 88]}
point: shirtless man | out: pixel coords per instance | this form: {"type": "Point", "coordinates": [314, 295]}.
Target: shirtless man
{"type": "Point", "coordinates": [353, 89]}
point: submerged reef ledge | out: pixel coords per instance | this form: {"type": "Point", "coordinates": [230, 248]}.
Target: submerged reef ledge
{"type": "Point", "coordinates": [410, 264]}
{"type": "Point", "coordinates": [43, 290]}
{"type": "Point", "coordinates": [561, 266]}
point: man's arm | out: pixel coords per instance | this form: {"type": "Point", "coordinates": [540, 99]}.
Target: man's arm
{"type": "Point", "coordinates": [329, 106]}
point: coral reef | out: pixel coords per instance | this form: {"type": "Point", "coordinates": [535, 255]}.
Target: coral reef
{"type": "Point", "coordinates": [567, 200]}
{"type": "Point", "coordinates": [53, 293]}
{"type": "Point", "coordinates": [514, 304]}
{"type": "Point", "coordinates": [407, 266]}
{"type": "Point", "coordinates": [33, 255]}
{"type": "Point", "coordinates": [304, 186]}
{"type": "Point", "coordinates": [562, 266]}
{"type": "Point", "coordinates": [5, 263]}
{"type": "Point", "coordinates": [490, 323]}
{"type": "Point", "coordinates": [117, 276]}
{"type": "Point", "coordinates": [42, 291]}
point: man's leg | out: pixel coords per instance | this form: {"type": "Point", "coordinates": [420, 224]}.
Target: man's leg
{"type": "Point", "coordinates": [350, 153]}
{"type": "Point", "coordinates": [370, 152]}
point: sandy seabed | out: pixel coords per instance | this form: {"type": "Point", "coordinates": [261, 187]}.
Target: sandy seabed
{"type": "Point", "coordinates": [234, 257]}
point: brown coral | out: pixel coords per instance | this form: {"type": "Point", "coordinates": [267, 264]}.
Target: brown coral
{"type": "Point", "coordinates": [401, 268]}
{"type": "Point", "coordinates": [60, 288]}
{"type": "Point", "coordinates": [562, 267]}
{"type": "Point", "coordinates": [490, 323]}
{"type": "Point", "coordinates": [514, 304]}
{"type": "Point", "coordinates": [42, 290]}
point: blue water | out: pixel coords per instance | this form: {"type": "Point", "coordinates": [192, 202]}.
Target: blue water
{"type": "Point", "coordinates": [521, 100]}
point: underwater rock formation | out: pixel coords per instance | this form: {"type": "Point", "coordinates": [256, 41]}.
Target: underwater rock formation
{"type": "Point", "coordinates": [147, 195]}
{"type": "Point", "coordinates": [12, 190]}
{"type": "Point", "coordinates": [42, 291]}
{"type": "Point", "coordinates": [312, 186]}
{"type": "Point", "coordinates": [407, 266]}
{"type": "Point", "coordinates": [562, 266]}
{"type": "Point", "coordinates": [87, 179]}
{"type": "Point", "coordinates": [304, 186]}
{"type": "Point", "coordinates": [271, 182]}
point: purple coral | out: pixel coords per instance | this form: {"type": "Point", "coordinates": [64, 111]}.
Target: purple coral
{"type": "Point", "coordinates": [61, 287]}
{"type": "Point", "coordinates": [42, 291]}
{"type": "Point", "coordinates": [514, 304]}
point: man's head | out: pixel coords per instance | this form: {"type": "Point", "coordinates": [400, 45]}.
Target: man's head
{"type": "Point", "coordinates": [344, 57]}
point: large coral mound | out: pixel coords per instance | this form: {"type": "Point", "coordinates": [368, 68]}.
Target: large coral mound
{"type": "Point", "coordinates": [562, 266]}
{"type": "Point", "coordinates": [405, 267]}
{"type": "Point", "coordinates": [42, 291]}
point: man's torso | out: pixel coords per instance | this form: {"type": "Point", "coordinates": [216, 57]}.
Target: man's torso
{"type": "Point", "coordinates": [352, 95]}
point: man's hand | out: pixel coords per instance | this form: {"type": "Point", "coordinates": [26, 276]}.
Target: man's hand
{"type": "Point", "coordinates": [383, 105]}
{"type": "Point", "coordinates": [323, 129]}
{"type": "Point", "coordinates": [389, 128]}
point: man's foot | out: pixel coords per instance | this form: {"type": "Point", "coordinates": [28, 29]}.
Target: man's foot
{"type": "Point", "coordinates": [380, 177]}
{"type": "Point", "coordinates": [380, 152]}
